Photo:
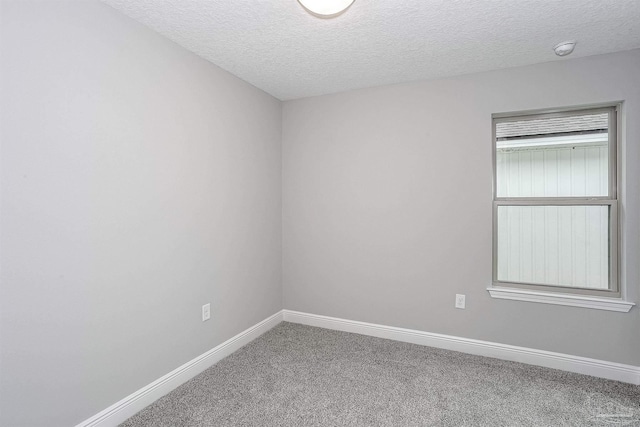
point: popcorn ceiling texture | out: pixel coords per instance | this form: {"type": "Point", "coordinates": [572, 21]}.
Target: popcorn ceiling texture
{"type": "Point", "coordinates": [278, 47]}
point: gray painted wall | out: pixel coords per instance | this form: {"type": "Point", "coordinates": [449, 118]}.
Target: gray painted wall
{"type": "Point", "coordinates": [138, 182]}
{"type": "Point", "coordinates": [387, 205]}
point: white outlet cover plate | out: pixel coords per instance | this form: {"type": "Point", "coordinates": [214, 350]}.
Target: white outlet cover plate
{"type": "Point", "coordinates": [206, 312]}
{"type": "Point", "coordinates": [460, 301]}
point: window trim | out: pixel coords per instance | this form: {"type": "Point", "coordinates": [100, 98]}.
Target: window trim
{"type": "Point", "coordinates": [557, 298]}
{"type": "Point", "coordinates": [577, 295]}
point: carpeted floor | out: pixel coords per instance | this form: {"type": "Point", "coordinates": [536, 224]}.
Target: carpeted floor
{"type": "Point", "coordinates": [297, 375]}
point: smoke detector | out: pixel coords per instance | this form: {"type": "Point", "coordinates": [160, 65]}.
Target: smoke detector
{"type": "Point", "coordinates": [564, 48]}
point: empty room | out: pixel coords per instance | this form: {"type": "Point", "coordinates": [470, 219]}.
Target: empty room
{"type": "Point", "coordinates": [319, 213]}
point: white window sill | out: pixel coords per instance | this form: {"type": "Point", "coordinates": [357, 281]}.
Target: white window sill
{"type": "Point", "coordinates": [611, 304]}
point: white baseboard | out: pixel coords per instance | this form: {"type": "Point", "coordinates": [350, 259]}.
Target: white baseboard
{"type": "Point", "coordinates": [548, 359]}
{"type": "Point", "coordinates": [135, 402]}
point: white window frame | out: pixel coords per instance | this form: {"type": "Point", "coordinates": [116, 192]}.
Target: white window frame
{"type": "Point", "coordinates": [606, 299]}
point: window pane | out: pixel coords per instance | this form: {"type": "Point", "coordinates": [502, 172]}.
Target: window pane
{"type": "Point", "coordinates": [554, 245]}
{"type": "Point", "coordinates": [564, 156]}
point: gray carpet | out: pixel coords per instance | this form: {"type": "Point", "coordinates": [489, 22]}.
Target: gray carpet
{"type": "Point", "coordinates": [298, 375]}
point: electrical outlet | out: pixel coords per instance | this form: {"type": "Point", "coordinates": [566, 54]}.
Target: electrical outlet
{"type": "Point", "coordinates": [460, 301]}
{"type": "Point", "coordinates": [206, 312]}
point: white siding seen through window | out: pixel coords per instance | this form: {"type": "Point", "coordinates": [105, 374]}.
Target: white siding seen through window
{"type": "Point", "coordinates": [545, 232]}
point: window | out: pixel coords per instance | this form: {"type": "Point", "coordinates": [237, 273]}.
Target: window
{"type": "Point", "coordinates": [555, 206]}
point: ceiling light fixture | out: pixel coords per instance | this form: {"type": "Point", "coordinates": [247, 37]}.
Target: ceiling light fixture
{"type": "Point", "coordinates": [564, 48]}
{"type": "Point", "coordinates": [326, 8]}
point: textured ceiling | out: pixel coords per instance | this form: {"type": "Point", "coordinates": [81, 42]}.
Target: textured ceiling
{"type": "Point", "coordinates": [277, 46]}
